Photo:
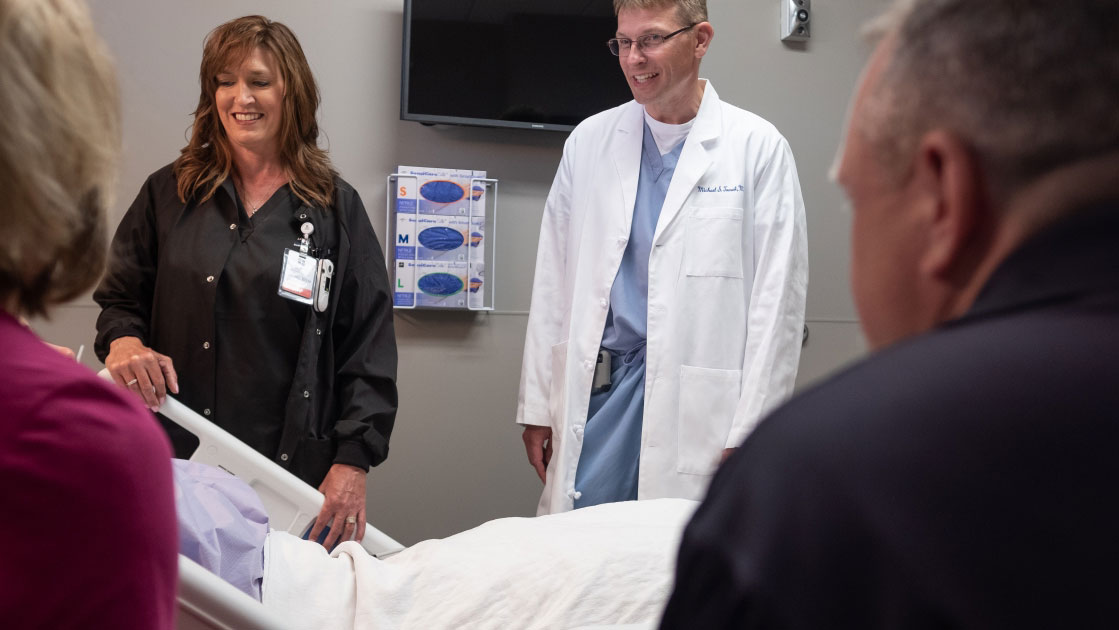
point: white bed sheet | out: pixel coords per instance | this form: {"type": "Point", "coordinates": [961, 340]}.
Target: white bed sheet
{"type": "Point", "coordinates": [609, 564]}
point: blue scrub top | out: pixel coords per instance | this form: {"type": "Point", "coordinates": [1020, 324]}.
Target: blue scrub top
{"type": "Point", "coordinates": [609, 461]}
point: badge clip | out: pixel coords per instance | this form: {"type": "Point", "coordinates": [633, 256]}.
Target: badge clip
{"type": "Point", "coordinates": [304, 241]}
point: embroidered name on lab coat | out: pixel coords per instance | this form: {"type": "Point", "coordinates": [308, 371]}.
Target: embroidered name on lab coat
{"type": "Point", "coordinates": [719, 189]}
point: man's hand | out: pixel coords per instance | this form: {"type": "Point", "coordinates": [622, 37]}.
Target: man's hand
{"type": "Point", "coordinates": [344, 488]}
{"type": "Point", "coordinates": [538, 444]}
{"type": "Point", "coordinates": [142, 370]}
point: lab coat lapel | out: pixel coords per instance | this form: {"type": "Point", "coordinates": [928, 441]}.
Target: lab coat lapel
{"type": "Point", "coordinates": [627, 156]}
{"type": "Point", "coordinates": [695, 158]}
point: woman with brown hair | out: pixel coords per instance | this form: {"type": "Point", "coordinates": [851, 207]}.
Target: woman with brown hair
{"type": "Point", "coordinates": [220, 289]}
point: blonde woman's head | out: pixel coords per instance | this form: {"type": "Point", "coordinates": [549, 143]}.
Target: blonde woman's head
{"type": "Point", "coordinates": [59, 141]}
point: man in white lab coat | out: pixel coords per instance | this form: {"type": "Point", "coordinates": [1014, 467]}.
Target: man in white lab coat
{"type": "Point", "coordinates": [668, 301]}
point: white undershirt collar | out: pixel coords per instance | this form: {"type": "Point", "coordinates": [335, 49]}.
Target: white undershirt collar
{"type": "Point", "coordinates": [667, 136]}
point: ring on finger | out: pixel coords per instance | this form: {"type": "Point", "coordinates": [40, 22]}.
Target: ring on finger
{"type": "Point", "coordinates": [132, 382]}
{"type": "Point", "coordinates": [351, 520]}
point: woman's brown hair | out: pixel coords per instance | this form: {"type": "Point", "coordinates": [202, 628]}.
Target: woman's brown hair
{"type": "Point", "coordinates": [207, 160]}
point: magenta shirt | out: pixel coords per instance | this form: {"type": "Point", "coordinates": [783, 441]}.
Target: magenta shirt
{"type": "Point", "coordinates": [87, 534]}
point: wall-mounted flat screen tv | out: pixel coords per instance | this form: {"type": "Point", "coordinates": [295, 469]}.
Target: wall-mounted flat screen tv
{"type": "Point", "coordinates": [537, 64]}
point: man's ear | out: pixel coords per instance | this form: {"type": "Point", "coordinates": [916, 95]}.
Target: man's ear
{"type": "Point", "coordinates": [950, 181]}
{"type": "Point", "coordinates": [704, 33]}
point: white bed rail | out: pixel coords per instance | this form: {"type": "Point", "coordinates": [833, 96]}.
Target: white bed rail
{"type": "Point", "coordinates": [207, 602]}
{"type": "Point", "coordinates": [292, 505]}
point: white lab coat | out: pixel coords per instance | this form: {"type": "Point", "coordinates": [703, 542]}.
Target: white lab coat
{"type": "Point", "coordinates": [728, 273]}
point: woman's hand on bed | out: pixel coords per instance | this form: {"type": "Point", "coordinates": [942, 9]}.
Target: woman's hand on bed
{"type": "Point", "coordinates": [538, 445]}
{"type": "Point", "coordinates": [344, 488]}
{"type": "Point", "coordinates": [141, 370]}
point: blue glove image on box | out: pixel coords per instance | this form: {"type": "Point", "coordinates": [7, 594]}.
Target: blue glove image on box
{"type": "Point", "coordinates": [440, 284]}
{"type": "Point", "coordinates": [441, 238]}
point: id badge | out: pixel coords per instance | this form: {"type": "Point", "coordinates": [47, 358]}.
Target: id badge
{"type": "Point", "coordinates": [297, 277]}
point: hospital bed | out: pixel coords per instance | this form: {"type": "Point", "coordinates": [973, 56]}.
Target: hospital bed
{"type": "Point", "coordinates": [428, 569]}
{"type": "Point", "coordinates": [207, 602]}
{"type": "Point", "coordinates": [292, 505]}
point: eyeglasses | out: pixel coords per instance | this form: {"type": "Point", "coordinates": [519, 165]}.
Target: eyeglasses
{"type": "Point", "coordinates": [645, 43]}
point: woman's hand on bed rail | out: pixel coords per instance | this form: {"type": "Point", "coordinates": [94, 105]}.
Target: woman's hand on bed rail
{"type": "Point", "coordinates": [142, 370]}
{"type": "Point", "coordinates": [538, 444]}
{"type": "Point", "coordinates": [344, 488]}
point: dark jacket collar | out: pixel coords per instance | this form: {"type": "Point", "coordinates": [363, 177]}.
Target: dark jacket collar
{"type": "Point", "coordinates": [1077, 255]}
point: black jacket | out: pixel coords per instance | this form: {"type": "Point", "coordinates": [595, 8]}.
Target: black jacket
{"type": "Point", "coordinates": [966, 478]}
{"type": "Point", "coordinates": [165, 268]}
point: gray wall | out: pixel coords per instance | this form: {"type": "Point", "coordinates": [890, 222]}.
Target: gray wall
{"type": "Point", "coordinates": [457, 458]}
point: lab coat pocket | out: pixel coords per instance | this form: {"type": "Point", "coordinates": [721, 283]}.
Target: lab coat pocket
{"type": "Point", "coordinates": [714, 242]}
{"type": "Point", "coordinates": [708, 399]}
{"type": "Point", "coordinates": [557, 389]}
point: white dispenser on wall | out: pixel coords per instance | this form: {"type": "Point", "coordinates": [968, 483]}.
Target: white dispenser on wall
{"type": "Point", "coordinates": [440, 232]}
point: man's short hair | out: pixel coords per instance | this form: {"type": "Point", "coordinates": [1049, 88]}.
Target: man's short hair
{"type": "Point", "coordinates": [1030, 84]}
{"type": "Point", "coordinates": [689, 11]}
{"type": "Point", "coordinates": [59, 141]}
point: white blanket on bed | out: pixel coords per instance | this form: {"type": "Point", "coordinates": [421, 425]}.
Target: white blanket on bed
{"type": "Point", "coordinates": [610, 564]}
